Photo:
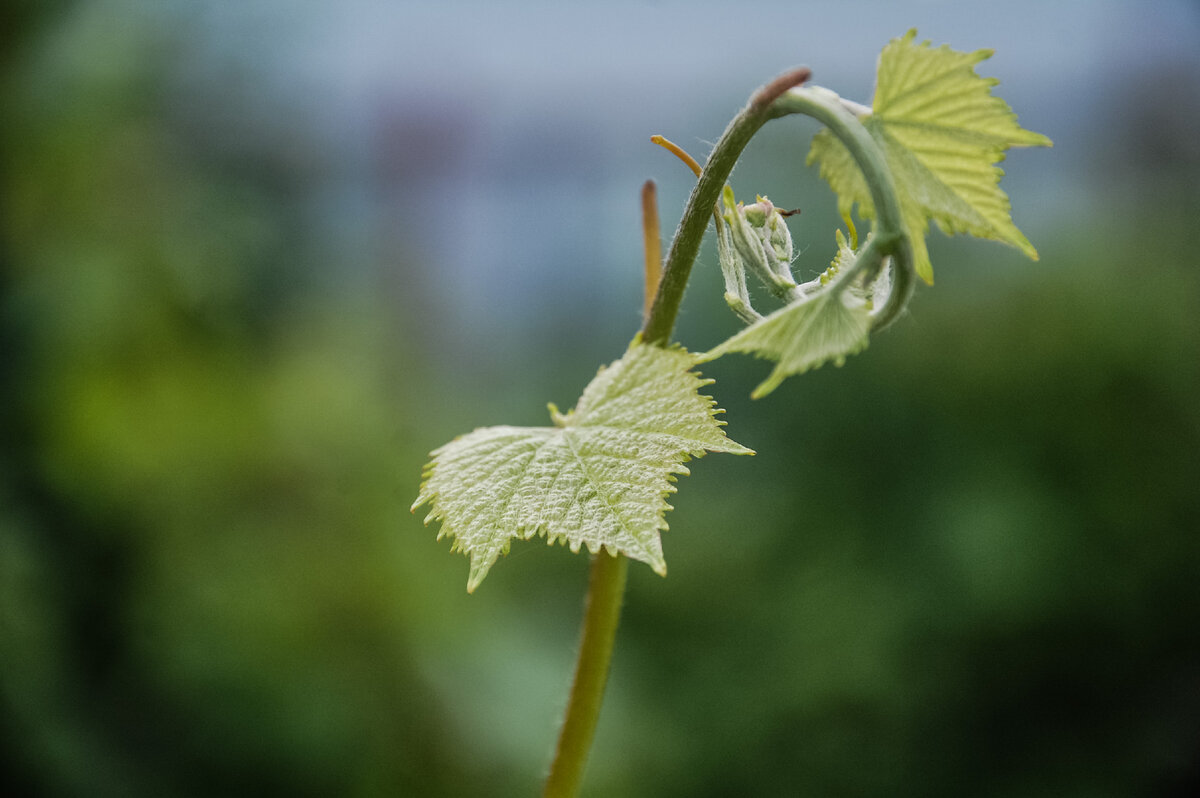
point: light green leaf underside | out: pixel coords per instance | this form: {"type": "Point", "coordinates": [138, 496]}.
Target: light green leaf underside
{"type": "Point", "coordinates": [599, 478]}
{"type": "Point", "coordinates": [941, 131]}
{"type": "Point", "coordinates": [828, 326]}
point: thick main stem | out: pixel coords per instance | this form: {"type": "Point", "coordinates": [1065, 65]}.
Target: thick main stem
{"type": "Point", "coordinates": [606, 589]}
{"type": "Point", "coordinates": [606, 584]}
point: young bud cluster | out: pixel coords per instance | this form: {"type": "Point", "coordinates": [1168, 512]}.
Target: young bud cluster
{"type": "Point", "coordinates": [754, 238]}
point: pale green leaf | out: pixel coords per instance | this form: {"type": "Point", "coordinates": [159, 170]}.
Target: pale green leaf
{"type": "Point", "coordinates": [827, 326]}
{"type": "Point", "coordinates": [941, 132]}
{"type": "Point", "coordinates": [599, 478]}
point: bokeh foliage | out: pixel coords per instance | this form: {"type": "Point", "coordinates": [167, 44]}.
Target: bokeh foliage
{"type": "Point", "coordinates": [965, 564]}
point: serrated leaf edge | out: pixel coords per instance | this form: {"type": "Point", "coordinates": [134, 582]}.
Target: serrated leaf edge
{"type": "Point", "coordinates": [688, 449]}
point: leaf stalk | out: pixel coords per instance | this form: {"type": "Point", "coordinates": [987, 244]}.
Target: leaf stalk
{"type": "Point", "coordinates": [888, 233]}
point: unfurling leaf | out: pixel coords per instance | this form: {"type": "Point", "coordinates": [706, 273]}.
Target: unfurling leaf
{"type": "Point", "coordinates": [600, 477]}
{"type": "Point", "coordinates": [829, 325]}
{"type": "Point", "coordinates": [941, 132]}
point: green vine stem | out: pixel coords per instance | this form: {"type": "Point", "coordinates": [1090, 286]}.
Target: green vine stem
{"type": "Point", "coordinates": [686, 243]}
{"type": "Point", "coordinates": [887, 235]}
{"type": "Point", "coordinates": [606, 590]}
{"type": "Point", "coordinates": [606, 583]}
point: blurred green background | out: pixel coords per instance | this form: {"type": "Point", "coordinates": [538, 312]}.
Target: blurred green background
{"type": "Point", "coordinates": [258, 259]}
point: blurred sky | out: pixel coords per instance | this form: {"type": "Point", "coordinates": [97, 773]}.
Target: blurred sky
{"type": "Point", "coordinates": [502, 145]}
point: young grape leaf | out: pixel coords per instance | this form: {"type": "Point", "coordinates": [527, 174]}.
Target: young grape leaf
{"type": "Point", "coordinates": [829, 325]}
{"type": "Point", "coordinates": [599, 477]}
{"type": "Point", "coordinates": [941, 132]}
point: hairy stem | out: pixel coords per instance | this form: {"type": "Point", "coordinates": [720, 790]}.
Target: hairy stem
{"type": "Point", "coordinates": [686, 243]}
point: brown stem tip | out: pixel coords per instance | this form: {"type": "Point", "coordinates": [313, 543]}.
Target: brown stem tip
{"type": "Point", "coordinates": [652, 246]}
{"type": "Point", "coordinates": [772, 91]}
